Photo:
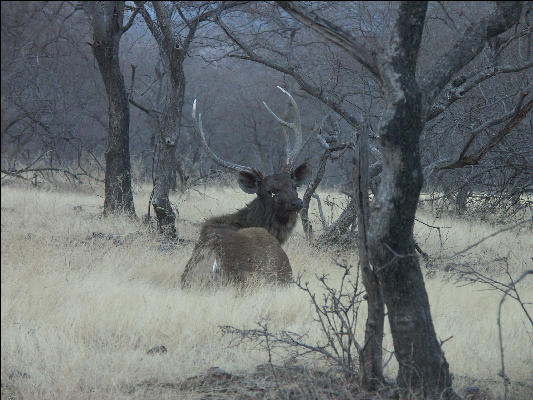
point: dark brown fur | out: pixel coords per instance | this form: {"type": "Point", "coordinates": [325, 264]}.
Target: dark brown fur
{"type": "Point", "coordinates": [247, 243]}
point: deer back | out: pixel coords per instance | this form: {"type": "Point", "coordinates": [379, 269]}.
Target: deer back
{"type": "Point", "coordinates": [243, 256]}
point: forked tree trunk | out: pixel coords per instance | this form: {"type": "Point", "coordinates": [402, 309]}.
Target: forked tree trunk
{"type": "Point", "coordinates": [423, 370]}
{"type": "Point", "coordinates": [167, 163]}
{"type": "Point", "coordinates": [106, 20]}
{"type": "Point", "coordinates": [173, 42]}
{"type": "Point", "coordinates": [173, 53]}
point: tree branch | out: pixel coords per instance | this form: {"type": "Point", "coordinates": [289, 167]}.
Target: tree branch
{"type": "Point", "coordinates": [516, 116]}
{"type": "Point", "coordinates": [468, 47]}
{"type": "Point", "coordinates": [290, 70]}
{"type": "Point", "coordinates": [461, 85]}
{"type": "Point", "coordinates": [333, 33]}
{"type": "Point", "coordinates": [216, 11]}
{"type": "Point", "coordinates": [18, 173]}
{"type": "Point", "coordinates": [152, 26]}
{"type": "Point", "coordinates": [485, 238]}
{"type": "Point", "coordinates": [131, 19]}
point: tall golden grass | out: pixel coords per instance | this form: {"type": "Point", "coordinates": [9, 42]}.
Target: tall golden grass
{"type": "Point", "coordinates": [79, 311]}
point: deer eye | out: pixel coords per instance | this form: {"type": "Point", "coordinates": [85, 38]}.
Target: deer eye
{"type": "Point", "coordinates": [272, 192]}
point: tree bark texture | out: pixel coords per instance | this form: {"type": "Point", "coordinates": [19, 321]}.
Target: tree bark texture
{"type": "Point", "coordinates": [371, 357]}
{"type": "Point", "coordinates": [423, 370]}
{"type": "Point", "coordinates": [106, 19]}
{"type": "Point", "coordinates": [166, 161]}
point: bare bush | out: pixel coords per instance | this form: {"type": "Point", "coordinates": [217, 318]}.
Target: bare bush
{"type": "Point", "coordinates": [336, 312]}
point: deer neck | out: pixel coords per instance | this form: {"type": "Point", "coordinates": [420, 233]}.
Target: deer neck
{"type": "Point", "coordinates": [256, 214]}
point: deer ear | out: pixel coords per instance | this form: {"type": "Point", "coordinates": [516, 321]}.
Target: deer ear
{"type": "Point", "coordinates": [300, 173]}
{"type": "Point", "coordinates": [248, 182]}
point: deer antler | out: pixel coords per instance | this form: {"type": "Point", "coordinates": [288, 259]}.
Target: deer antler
{"type": "Point", "coordinates": [296, 126]}
{"type": "Point", "coordinates": [197, 122]}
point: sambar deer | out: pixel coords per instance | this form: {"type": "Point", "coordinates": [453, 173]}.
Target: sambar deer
{"type": "Point", "coordinates": [246, 245]}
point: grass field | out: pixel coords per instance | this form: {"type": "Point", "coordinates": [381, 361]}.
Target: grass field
{"type": "Point", "coordinates": [79, 311]}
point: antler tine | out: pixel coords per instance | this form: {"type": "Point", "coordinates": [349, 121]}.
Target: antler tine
{"type": "Point", "coordinates": [296, 126]}
{"type": "Point", "coordinates": [283, 131]}
{"type": "Point", "coordinates": [201, 136]}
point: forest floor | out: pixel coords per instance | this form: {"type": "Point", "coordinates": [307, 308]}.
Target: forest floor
{"type": "Point", "coordinates": [84, 299]}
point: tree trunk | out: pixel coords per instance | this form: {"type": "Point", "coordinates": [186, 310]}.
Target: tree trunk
{"type": "Point", "coordinates": [167, 162]}
{"type": "Point", "coordinates": [461, 199]}
{"type": "Point", "coordinates": [423, 370]}
{"type": "Point", "coordinates": [371, 357]}
{"type": "Point", "coordinates": [107, 31]}
{"type": "Point", "coordinates": [304, 212]}
{"type": "Point", "coordinates": [338, 231]}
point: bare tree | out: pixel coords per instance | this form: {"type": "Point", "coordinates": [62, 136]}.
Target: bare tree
{"type": "Point", "coordinates": [476, 136]}
{"type": "Point", "coordinates": [333, 150]}
{"type": "Point", "coordinates": [423, 370]}
{"type": "Point", "coordinates": [49, 96]}
{"type": "Point", "coordinates": [173, 26]}
{"type": "Point", "coordinates": [107, 21]}
{"type": "Point", "coordinates": [465, 117]}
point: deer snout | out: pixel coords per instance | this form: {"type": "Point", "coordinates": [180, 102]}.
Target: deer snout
{"type": "Point", "coordinates": [297, 204]}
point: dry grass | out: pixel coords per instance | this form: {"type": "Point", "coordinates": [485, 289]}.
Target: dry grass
{"type": "Point", "coordinates": [80, 312]}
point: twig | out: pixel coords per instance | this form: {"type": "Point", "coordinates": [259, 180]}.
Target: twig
{"type": "Point", "coordinates": [500, 338]}
{"type": "Point", "coordinates": [18, 173]}
{"type": "Point", "coordinates": [445, 340]}
{"type": "Point", "coordinates": [320, 211]}
{"type": "Point", "coordinates": [485, 238]}
{"type": "Point", "coordinates": [438, 228]}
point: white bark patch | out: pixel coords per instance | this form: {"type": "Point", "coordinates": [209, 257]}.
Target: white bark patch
{"type": "Point", "coordinates": [384, 202]}
{"type": "Point", "coordinates": [391, 78]}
